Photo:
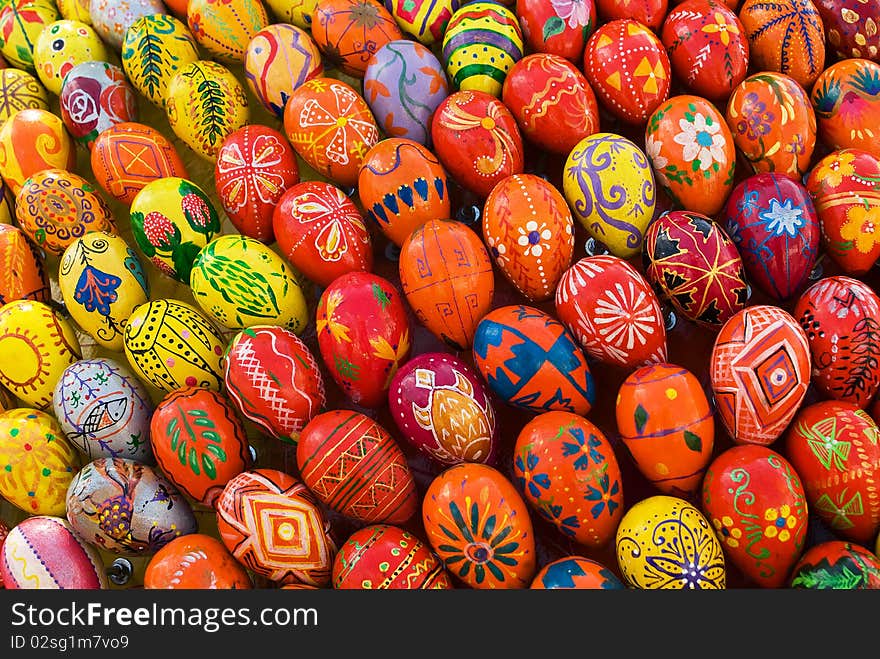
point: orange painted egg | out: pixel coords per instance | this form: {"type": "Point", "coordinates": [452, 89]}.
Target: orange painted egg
{"type": "Point", "coordinates": [836, 565]}
{"type": "Point", "coordinates": [349, 32]}
{"type": "Point", "coordinates": [576, 572]}
{"type": "Point", "coordinates": [30, 141]}
{"type": "Point", "coordinates": [850, 28]}
{"type": "Point", "coordinates": [195, 562]}
{"type": "Point", "coordinates": [846, 98]}
{"type": "Point", "coordinates": [23, 275]}
{"type": "Point", "coordinates": [224, 29]}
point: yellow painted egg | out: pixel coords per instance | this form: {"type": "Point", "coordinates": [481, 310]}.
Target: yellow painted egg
{"type": "Point", "coordinates": [225, 28]}
{"type": "Point", "coordinates": [296, 12]}
{"type": "Point", "coordinates": [30, 141]}
{"type": "Point", "coordinates": [75, 10]}
{"type": "Point", "coordinates": [205, 102]}
{"type": "Point", "coordinates": [37, 462]}
{"type": "Point", "coordinates": [21, 22]}
{"type": "Point", "coordinates": [171, 344]}
{"type": "Point", "coordinates": [36, 345]}
{"type": "Point", "coordinates": [19, 90]}
{"type": "Point", "coordinates": [102, 282]}
{"type": "Point", "coordinates": [61, 46]}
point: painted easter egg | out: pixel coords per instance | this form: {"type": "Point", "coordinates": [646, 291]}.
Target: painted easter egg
{"type": "Point", "coordinates": [104, 410]}
{"type": "Point", "coordinates": [531, 361]}
{"type": "Point", "coordinates": [834, 447]}
{"type": "Point", "coordinates": [557, 28]}
{"type": "Point", "coordinates": [756, 502]}
{"type": "Point", "coordinates": [477, 140]}
{"type": "Point", "coordinates": [45, 553]}
{"type": "Point", "coordinates": [381, 556]}
{"type": "Point", "coordinates": [195, 562]}
{"type": "Point", "coordinates": [36, 344]}
{"type": "Point", "coordinates": [23, 275]}
{"type": "Point", "coordinates": [199, 442]}
{"type": "Point", "coordinates": [126, 507]}
{"type": "Point", "coordinates": [363, 334]}
{"type": "Point", "coordinates": [278, 59]}
{"type": "Point", "coordinates": [77, 10]}
{"type": "Point", "coordinates": [772, 123]}
{"type": "Point", "coordinates": [567, 471]}
{"type": "Point", "coordinates": [274, 380]}
{"type": "Point", "coordinates": [850, 28]}
{"type": "Point", "coordinates": [528, 227]}
{"type": "Point", "coordinates": [628, 69]}
{"type": "Point", "coordinates": [354, 466]}
{"type": "Point", "coordinates": [649, 13]}
{"type": "Point", "coordinates": [112, 18]}
{"type": "Point", "coordinates": [21, 22]}
{"type": "Point", "coordinates": [841, 317]}
{"type": "Point", "coordinates": [30, 141]}
{"type": "Point", "coordinates": [224, 29]}
{"type": "Point", "coordinates": [171, 220]}
{"type": "Point", "coordinates": [403, 85]}
{"type": "Point", "coordinates": [667, 425]}
{"type": "Point", "coordinates": [255, 166]}
{"type": "Point", "coordinates": [63, 45]}
{"type": "Point", "coordinates": [126, 157]}
{"type": "Point", "coordinates": [272, 525]}
{"type": "Point", "coordinates": [321, 232]}
{"type": "Point", "coordinates": [350, 32]}
{"type": "Point", "coordinates": [38, 461]}
{"type": "Point", "coordinates": [402, 185]}
{"type": "Point", "coordinates": [296, 12]}
{"type": "Point", "coordinates": [19, 90]}
{"type": "Point", "coordinates": [576, 572]}
{"type": "Point", "coordinates": [836, 565]}
{"type": "Point", "coordinates": [771, 219]}
{"type": "Point", "coordinates": [785, 36]}
{"type": "Point", "coordinates": [479, 526]}
{"type": "Point", "coordinates": [760, 371]}
{"type": "Point", "coordinates": [171, 345]}
{"type": "Point", "coordinates": [204, 103]}
{"type": "Point", "coordinates": [95, 96]}
{"type": "Point", "coordinates": [680, 251]}
{"type": "Point", "coordinates": [442, 408]}
{"type": "Point", "coordinates": [846, 99]}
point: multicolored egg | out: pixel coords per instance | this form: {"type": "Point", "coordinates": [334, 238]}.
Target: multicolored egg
{"type": "Point", "coordinates": [576, 572]}
{"type": "Point", "coordinates": [30, 141]}
{"type": "Point", "coordinates": [846, 99]}
{"type": "Point", "coordinates": [557, 28]}
{"type": "Point", "coordinates": [349, 32]}
{"type": "Point", "coordinates": [19, 90]}
{"type": "Point", "coordinates": [112, 18]}
{"type": "Point", "coordinates": [61, 46]}
{"type": "Point", "coordinates": [423, 20]}
{"type": "Point", "coordinates": [195, 562]}
{"type": "Point", "coordinates": [23, 275]}
{"type": "Point", "coordinates": [21, 22]}
{"type": "Point", "coordinates": [850, 28]}
{"type": "Point", "coordinates": [224, 29]}
{"type": "Point", "coordinates": [94, 97]}
{"type": "Point", "coordinates": [836, 565]}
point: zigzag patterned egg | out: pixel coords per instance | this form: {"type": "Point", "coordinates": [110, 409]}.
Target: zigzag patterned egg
{"type": "Point", "coordinates": [30, 141]}
{"type": "Point", "coordinates": [195, 562]}
{"type": "Point", "coordinates": [224, 29]}
{"type": "Point", "coordinates": [576, 572]}
{"type": "Point", "coordinates": [112, 18]}
{"type": "Point", "coordinates": [23, 275]}
{"type": "Point", "coordinates": [21, 22]}
{"type": "Point", "coordinates": [423, 20]}
{"type": "Point", "coordinates": [846, 99]}
{"type": "Point", "coordinates": [19, 90]}
{"type": "Point", "coordinates": [349, 32]}
{"type": "Point", "coordinates": [560, 29]}
{"type": "Point", "coordinates": [850, 28]}
{"type": "Point", "coordinates": [94, 97]}
{"type": "Point", "coordinates": [836, 565]}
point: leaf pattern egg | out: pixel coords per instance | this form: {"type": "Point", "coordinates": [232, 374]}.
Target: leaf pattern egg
{"type": "Point", "coordinates": [224, 29]}
{"type": "Point", "coordinates": [576, 572]}
{"type": "Point", "coordinates": [558, 28]}
{"type": "Point", "coordinates": [846, 99]}
{"type": "Point", "coordinates": [19, 90]}
{"type": "Point", "coordinates": [63, 45]}
{"type": "Point", "coordinates": [850, 28]}
{"type": "Point", "coordinates": [196, 561]}
{"type": "Point", "coordinates": [21, 22]}
{"type": "Point", "coordinates": [836, 565]}
{"type": "Point", "coordinates": [423, 20]}
{"type": "Point", "coordinates": [112, 18]}
{"type": "Point", "coordinates": [95, 96]}
{"type": "Point", "coordinates": [23, 275]}
{"type": "Point", "coordinates": [30, 141]}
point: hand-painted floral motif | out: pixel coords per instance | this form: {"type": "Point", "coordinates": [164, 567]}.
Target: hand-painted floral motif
{"type": "Point", "coordinates": [846, 98]}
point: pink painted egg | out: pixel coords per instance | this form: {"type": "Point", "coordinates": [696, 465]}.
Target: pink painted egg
{"type": "Point", "coordinates": [846, 99]}
{"type": "Point", "coordinates": [850, 28]}
{"type": "Point", "coordinates": [557, 28]}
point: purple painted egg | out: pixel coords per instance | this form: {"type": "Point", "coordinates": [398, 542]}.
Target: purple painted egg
{"type": "Point", "coordinates": [851, 27]}
{"type": "Point", "coordinates": [771, 219]}
{"type": "Point", "coordinates": [95, 96]}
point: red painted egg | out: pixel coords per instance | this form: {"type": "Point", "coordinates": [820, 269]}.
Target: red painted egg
{"type": "Point", "coordinates": [351, 464]}
{"type": "Point", "coordinates": [447, 277]}
{"type": "Point", "coordinates": [321, 232]}
{"type": "Point", "coordinates": [363, 335]}
{"type": "Point", "coordinates": [754, 499]}
{"type": "Point", "coordinates": [255, 166]}
{"type": "Point", "coordinates": [841, 317]}
{"type": "Point", "coordinates": [649, 13]}
{"type": "Point", "coordinates": [681, 250]}
{"type": "Point", "coordinates": [23, 275]}
{"type": "Point", "coordinates": [836, 565]}
{"type": "Point", "coordinates": [760, 371]}
{"type": "Point", "coordinates": [195, 562]}
{"type": "Point", "coordinates": [850, 28]}
{"type": "Point", "coordinates": [835, 447]}
{"type": "Point", "coordinates": [576, 572]}
{"type": "Point", "coordinates": [557, 27]}
{"type": "Point", "coordinates": [477, 140]}
{"type": "Point", "coordinates": [846, 99]}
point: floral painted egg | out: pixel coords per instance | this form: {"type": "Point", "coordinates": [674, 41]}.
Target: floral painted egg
{"type": "Point", "coordinates": [612, 310]}
{"type": "Point", "coordinates": [195, 562]}
{"type": "Point", "coordinates": [274, 380]}
{"type": "Point", "coordinates": [199, 442]}
{"type": "Point", "coordinates": [836, 565]}
{"type": "Point", "coordinates": [321, 232]}
{"type": "Point", "coordinates": [95, 96]}
{"type": "Point", "coordinates": [23, 275]}
{"type": "Point", "coordinates": [479, 526]}
{"type": "Point", "coordinates": [171, 345]}
{"type": "Point", "coordinates": [272, 525]}
{"type": "Point", "coordinates": [279, 58]}
{"type": "Point", "coordinates": [771, 219]}
{"type": "Point", "coordinates": [101, 282]}
{"type": "Point", "coordinates": [77, 10]}
{"type": "Point", "coordinates": [845, 187]}
{"type": "Point", "coordinates": [531, 361]}
{"type": "Point", "coordinates": [171, 220]}
{"type": "Point", "coordinates": [841, 317]}
{"type": "Point", "coordinates": [694, 265]}
{"type": "Point", "coordinates": [351, 464]}
{"type": "Point", "coordinates": [331, 128]}
{"type": "Point", "coordinates": [850, 28]}
{"type": "Point", "coordinates": [667, 425]}
{"type": "Point", "coordinates": [350, 32]}
{"type": "Point", "coordinates": [21, 22]}
{"type": "Point", "coordinates": [628, 69]}
{"type": "Point", "coordinates": [692, 153]}
{"type": "Point", "coordinates": [609, 185]}
{"type": "Point", "coordinates": [553, 103]}
{"type": "Point", "coordinates": [36, 344]}
{"type": "Point", "coordinates": [481, 43]}
{"type": "Point", "coordinates": [528, 227]}
{"type": "Point", "coordinates": [44, 552]}
{"type": "Point", "coordinates": [30, 141]}
{"type": "Point", "coordinates": [126, 507]}
{"type": "Point", "coordinates": [19, 90]}
{"type": "Point", "coordinates": [442, 408]}
{"type": "Point", "coordinates": [126, 157]}
{"type": "Point", "coordinates": [846, 98]}
{"type": "Point", "coordinates": [403, 85]}
{"type": "Point", "coordinates": [423, 20]}
{"type": "Point", "coordinates": [363, 334]}
{"type": "Point", "coordinates": [224, 29]}
{"type": "Point", "coordinates": [576, 572]}
{"type": "Point", "coordinates": [155, 48]}
{"type": "Point", "coordinates": [785, 36]}
{"type": "Point", "coordinates": [104, 410]}
{"type": "Point", "coordinates": [61, 46]}
{"type": "Point", "coordinates": [664, 542]}
{"type": "Point", "coordinates": [402, 185]}
{"type": "Point", "coordinates": [649, 13]}
{"type": "Point", "coordinates": [760, 371]}
{"type": "Point", "coordinates": [757, 505]}
{"type": "Point", "coordinates": [835, 447]}
{"type": "Point", "coordinates": [773, 124]}
{"type": "Point", "coordinates": [385, 557]}
{"type": "Point", "coordinates": [204, 103]}
{"type": "Point", "coordinates": [38, 461]}
{"type": "Point", "coordinates": [112, 18]}
{"type": "Point", "coordinates": [568, 472]}
{"type": "Point", "coordinates": [559, 27]}
{"type": "Point", "coordinates": [296, 12]}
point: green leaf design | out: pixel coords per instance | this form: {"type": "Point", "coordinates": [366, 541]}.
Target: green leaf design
{"type": "Point", "coordinates": [248, 290]}
{"type": "Point", "coordinates": [182, 258]}
{"type": "Point", "coordinates": [150, 51]}
{"type": "Point", "coordinates": [641, 418]}
{"type": "Point", "coordinates": [693, 441]}
{"type": "Point", "coordinates": [552, 27]}
{"type": "Point", "coordinates": [208, 465]}
{"type": "Point", "coordinates": [213, 107]}
{"type": "Point", "coordinates": [197, 441]}
{"type": "Point", "coordinates": [194, 461]}
{"type": "Point", "coordinates": [137, 229]}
